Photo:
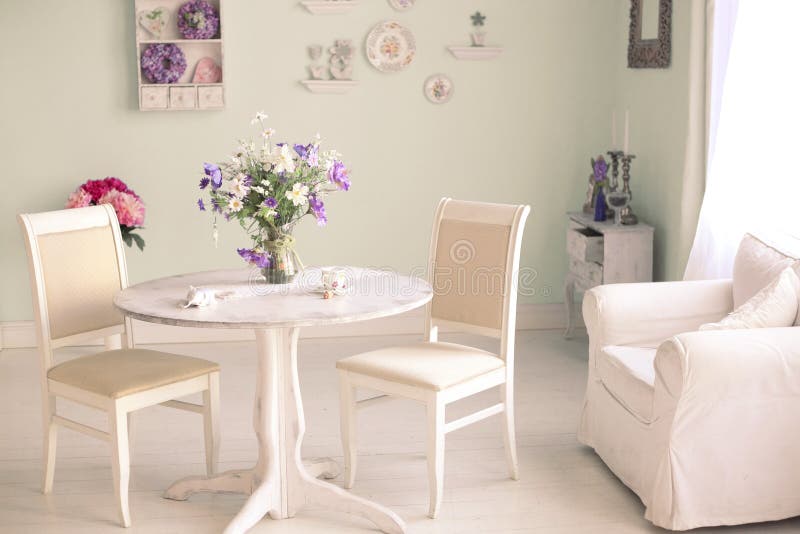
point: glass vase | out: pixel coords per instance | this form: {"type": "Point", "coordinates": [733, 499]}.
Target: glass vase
{"type": "Point", "coordinates": [284, 264]}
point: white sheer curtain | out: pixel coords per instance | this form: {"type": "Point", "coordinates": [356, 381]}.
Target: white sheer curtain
{"type": "Point", "coordinates": [753, 173]}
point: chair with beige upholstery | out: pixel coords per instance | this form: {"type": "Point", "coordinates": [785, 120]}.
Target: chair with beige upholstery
{"type": "Point", "coordinates": [77, 264]}
{"type": "Point", "coordinates": [474, 259]}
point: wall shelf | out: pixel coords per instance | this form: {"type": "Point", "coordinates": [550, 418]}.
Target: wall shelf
{"type": "Point", "coordinates": [475, 52]}
{"type": "Point", "coordinates": [183, 95]}
{"type": "Point", "coordinates": [337, 87]}
{"type": "Point", "coordinates": [329, 7]}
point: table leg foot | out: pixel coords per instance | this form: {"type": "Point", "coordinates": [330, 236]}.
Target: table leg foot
{"type": "Point", "coordinates": [252, 512]}
{"type": "Point", "coordinates": [238, 481]}
{"type": "Point", "coordinates": [322, 467]}
{"type": "Point", "coordinates": [336, 498]}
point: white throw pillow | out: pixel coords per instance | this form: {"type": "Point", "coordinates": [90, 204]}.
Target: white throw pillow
{"type": "Point", "coordinates": [758, 262]}
{"type": "Point", "coordinates": [774, 306]}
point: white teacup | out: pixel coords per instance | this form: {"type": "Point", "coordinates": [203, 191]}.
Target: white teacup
{"type": "Point", "coordinates": [334, 280]}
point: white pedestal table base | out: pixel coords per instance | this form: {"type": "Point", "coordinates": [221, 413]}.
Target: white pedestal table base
{"type": "Point", "coordinates": [281, 483]}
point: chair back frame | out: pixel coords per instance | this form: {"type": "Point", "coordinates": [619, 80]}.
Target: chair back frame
{"type": "Point", "coordinates": [506, 332]}
{"type": "Point", "coordinates": [35, 225]}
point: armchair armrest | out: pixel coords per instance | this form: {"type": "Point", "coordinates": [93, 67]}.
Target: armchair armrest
{"type": "Point", "coordinates": [729, 365]}
{"type": "Point", "coordinates": [646, 314]}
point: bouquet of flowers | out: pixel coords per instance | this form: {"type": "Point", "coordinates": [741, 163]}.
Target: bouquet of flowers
{"type": "Point", "coordinates": [268, 189]}
{"type": "Point", "coordinates": [126, 203]}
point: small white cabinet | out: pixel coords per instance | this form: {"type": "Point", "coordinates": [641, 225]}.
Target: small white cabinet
{"type": "Point", "coordinates": [603, 253]}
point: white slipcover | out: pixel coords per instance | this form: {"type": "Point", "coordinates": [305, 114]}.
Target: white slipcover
{"type": "Point", "coordinates": [703, 426]}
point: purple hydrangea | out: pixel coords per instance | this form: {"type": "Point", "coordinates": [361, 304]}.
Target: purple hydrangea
{"type": "Point", "coordinates": [270, 202]}
{"type": "Point", "coordinates": [214, 173]}
{"type": "Point", "coordinates": [163, 63]}
{"type": "Point", "coordinates": [600, 169]}
{"type": "Point", "coordinates": [259, 259]}
{"type": "Point", "coordinates": [337, 174]}
{"type": "Point", "coordinates": [197, 19]}
{"type": "Point", "coordinates": [318, 209]}
{"type": "Point", "coordinates": [201, 204]}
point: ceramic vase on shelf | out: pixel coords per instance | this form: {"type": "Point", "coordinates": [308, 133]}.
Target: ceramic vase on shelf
{"type": "Point", "coordinates": [284, 265]}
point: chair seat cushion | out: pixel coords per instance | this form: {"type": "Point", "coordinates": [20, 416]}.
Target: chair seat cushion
{"type": "Point", "coordinates": [434, 366]}
{"type": "Point", "coordinates": [628, 374]}
{"type": "Point", "coordinates": [117, 373]}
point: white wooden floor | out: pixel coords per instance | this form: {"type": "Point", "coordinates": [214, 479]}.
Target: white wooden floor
{"type": "Point", "coordinates": [563, 487]}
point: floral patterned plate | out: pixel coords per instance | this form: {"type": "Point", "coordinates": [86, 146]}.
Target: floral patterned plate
{"type": "Point", "coordinates": [439, 88]}
{"type": "Point", "coordinates": [402, 5]}
{"type": "Point", "coordinates": [390, 47]}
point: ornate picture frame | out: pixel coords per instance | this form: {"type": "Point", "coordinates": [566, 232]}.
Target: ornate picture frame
{"type": "Point", "coordinates": [650, 53]}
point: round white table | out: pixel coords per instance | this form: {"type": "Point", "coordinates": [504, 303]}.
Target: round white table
{"type": "Point", "coordinates": [280, 483]}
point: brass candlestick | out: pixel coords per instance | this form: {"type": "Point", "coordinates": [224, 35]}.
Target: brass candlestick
{"type": "Point", "coordinates": [627, 216]}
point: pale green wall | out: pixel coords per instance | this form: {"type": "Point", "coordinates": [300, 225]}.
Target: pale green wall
{"type": "Point", "coordinates": [519, 129]}
{"type": "Point", "coordinates": [658, 101]}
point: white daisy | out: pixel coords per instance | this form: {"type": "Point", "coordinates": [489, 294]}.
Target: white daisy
{"type": "Point", "coordinates": [260, 116]}
{"type": "Point", "coordinates": [235, 205]}
{"type": "Point", "coordinates": [298, 195]}
{"type": "Point", "coordinates": [269, 132]}
{"type": "Point", "coordinates": [238, 187]}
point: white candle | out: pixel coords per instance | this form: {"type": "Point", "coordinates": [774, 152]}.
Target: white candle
{"type": "Point", "coordinates": [627, 132]}
{"type": "Point", "coordinates": [614, 130]}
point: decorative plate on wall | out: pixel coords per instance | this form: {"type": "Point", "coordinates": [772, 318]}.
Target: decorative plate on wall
{"type": "Point", "coordinates": [439, 88]}
{"type": "Point", "coordinates": [402, 5]}
{"type": "Point", "coordinates": [390, 47]}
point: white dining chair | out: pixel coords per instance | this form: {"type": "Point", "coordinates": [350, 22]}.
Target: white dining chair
{"type": "Point", "coordinates": [77, 264]}
{"type": "Point", "coordinates": [473, 265]}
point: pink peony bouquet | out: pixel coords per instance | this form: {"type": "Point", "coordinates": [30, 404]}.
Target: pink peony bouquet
{"type": "Point", "coordinates": [126, 203]}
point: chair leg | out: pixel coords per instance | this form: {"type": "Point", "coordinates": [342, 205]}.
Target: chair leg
{"type": "Point", "coordinates": [509, 435]}
{"type": "Point", "coordinates": [435, 452]}
{"type": "Point", "coordinates": [211, 423]}
{"type": "Point", "coordinates": [49, 445]}
{"type": "Point", "coordinates": [120, 461]}
{"type": "Point", "coordinates": [130, 433]}
{"type": "Point", "coordinates": [347, 418]}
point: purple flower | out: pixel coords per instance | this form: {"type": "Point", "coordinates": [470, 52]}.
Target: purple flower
{"type": "Point", "coordinates": [248, 180]}
{"type": "Point", "coordinates": [214, 173]}
{"type": "Point", "coordinates": [259, 259]}
{"type": "Point", "coordinates": [600, 169]}
{"type": "Point", "coordinates": [308, 153]}
{"type": "Point", "coordinates": [338, 175]}
{"type": "Point", "coordinates": [204, 182]}
{"type": "Point", "coordinates": [318, 209]}
{"type": "Point", "coordinates": [201, 205]}
{"type": "Point", "coordinates": [270, 202]}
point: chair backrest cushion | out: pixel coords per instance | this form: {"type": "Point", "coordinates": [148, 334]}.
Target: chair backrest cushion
{"type": "Point", "coordinates": [759, 260]}
{"type": "Point", "coordinates": [80, 272]}
{"type": "Point", "coordinates": [471, 262]}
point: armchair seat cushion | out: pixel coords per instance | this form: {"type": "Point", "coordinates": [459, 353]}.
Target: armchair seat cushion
{"type": "Point", "coordinates": [629, 375]}
{"type": "Point", "coordinates": [118, 373]}
{"type": "Point", "coordinates": [436, 366]}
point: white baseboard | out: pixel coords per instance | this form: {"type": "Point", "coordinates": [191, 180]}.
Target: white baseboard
{"type": "Point", "coordinates": [22, 334]}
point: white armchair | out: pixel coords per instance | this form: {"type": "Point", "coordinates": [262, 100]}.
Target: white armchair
{"type": "Point", "coordinates": [703, 426]}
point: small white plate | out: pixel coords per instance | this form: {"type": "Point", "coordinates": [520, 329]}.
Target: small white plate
{"type": "Point", "coordinates": [439, 88]}
{"type": "Point", "coordinates": [402, 5]}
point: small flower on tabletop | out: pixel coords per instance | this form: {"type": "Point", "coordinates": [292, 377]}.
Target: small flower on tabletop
{"type": "Point", "coordinates": [338, 175]}
{"type": "Point", "coordinates": [298, 194]}
{"type": "Point", "coordinates": [599, 168]}
{"type": "Point", "coordinates": [214, 173]}
{"type": "Point", "coordinates": [201, 204]}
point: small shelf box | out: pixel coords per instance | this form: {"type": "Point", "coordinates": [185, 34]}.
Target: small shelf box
{"type": "Point", "coordinates": [183, 95]}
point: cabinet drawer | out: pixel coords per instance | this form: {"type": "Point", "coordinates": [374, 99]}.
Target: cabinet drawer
{"type": "Point", "coordinates": [154, 98]}
{"type": "Point", "coordinates": [585, 244]}
{"type": "Point", "coordinates": [589, 272]}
